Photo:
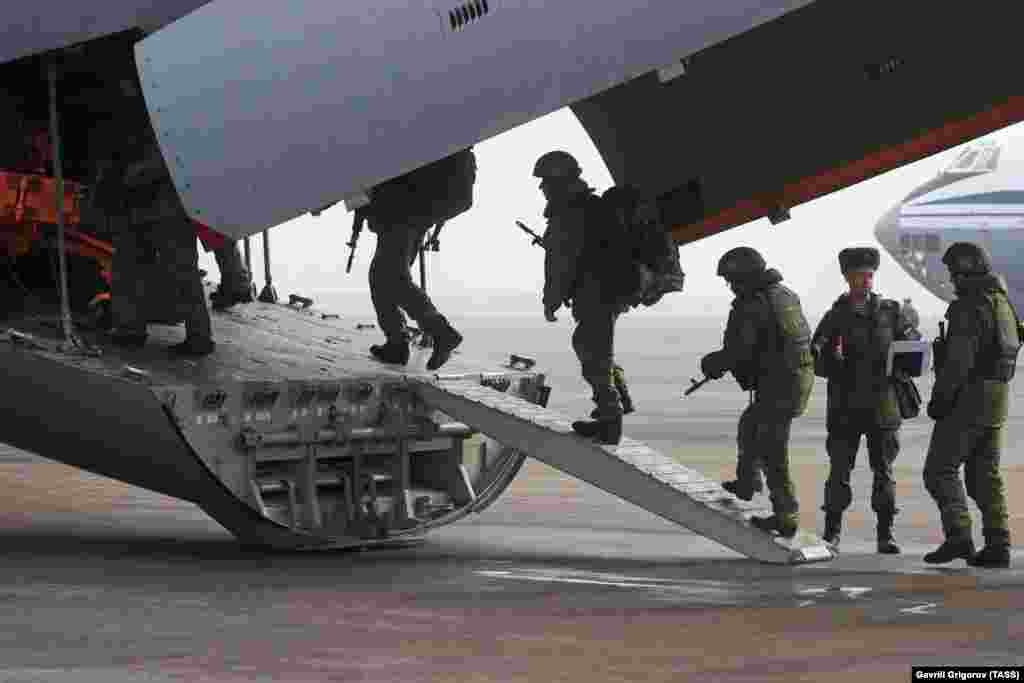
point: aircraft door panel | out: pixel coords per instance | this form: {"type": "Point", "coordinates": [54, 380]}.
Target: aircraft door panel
{"type": "Point", "coordinates": [265, 115]}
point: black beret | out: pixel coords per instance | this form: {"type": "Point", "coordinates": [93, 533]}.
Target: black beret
{"type": "Point", "coordinates": [858, 258]}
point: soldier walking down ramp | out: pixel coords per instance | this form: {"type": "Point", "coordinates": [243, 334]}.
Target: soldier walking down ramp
{"type": "Point", "coordinates": [851, 347]}
{"type": "Point", "coordinates": [577, 273]}
{"type": "Point", "coordinates": [969, 403]}
{"type": "Point", "coordinates": [767, 348]}
{"type": "Point", "coordinates": [401, 212]}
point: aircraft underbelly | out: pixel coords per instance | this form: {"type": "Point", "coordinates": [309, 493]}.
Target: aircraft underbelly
{"type": "Point", "coordinates": [263, 116]}
{"type": "Point", "coordinates": [32, 27]}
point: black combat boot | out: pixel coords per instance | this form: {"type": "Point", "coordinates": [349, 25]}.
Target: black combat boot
{"type": "Point", "coordinates": [607, 430]}
{"type": "Point", "coordinates": [126, 339]}
{"type": "Point", "coordinates": [833, 526]}
{"type": "Point", "coordinates": [446, 339]}
{"type": "Point", "coordinates": [886, 543]}
{"type": "Point", "coordinates": [743, 491]}
{"type": "Point", "coordinates": [784, 528]}
{"type": "Point", "coordinates": [996, 553]}
{"type": "Point", "coordinates": [395, 352]}
{"type": "Point", "coordinates": [223, 298]}
{"type": "Point", "coordinates": [952, 549]}
{"type": "Point", "coordinates": [194, 346]}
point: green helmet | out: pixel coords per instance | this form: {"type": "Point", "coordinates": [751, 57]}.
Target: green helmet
{"type": "Point", "coordinates": [557, 164]}
{"type": "Point", "coordinates": [741, 263]}
{"type": "Point", "coordinates": [967, 258]}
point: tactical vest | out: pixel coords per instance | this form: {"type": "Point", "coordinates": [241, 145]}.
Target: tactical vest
{"type": "Point", "coordinates": [998, 359]}
{"type": "Point", "coordinates": [792, 344]}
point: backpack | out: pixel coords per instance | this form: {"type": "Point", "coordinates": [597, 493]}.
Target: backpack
{"type": "Point", "coordinates": [653, 269]}
{"type": "Point", "coordinates": [428, 195]}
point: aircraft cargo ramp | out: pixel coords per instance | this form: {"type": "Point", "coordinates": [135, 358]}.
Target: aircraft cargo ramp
{"type": "Point", "coordinates": [632, 471]}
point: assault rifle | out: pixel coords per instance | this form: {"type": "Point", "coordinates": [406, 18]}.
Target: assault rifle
{"type": "Point", "coordinates": [357, 225]}
{"type": "Point", "coordinates": [939, 348]}
{"type": "Point", "coordinates": [537, 239]}
{"type": "Point", "coordinates": [695, 385]}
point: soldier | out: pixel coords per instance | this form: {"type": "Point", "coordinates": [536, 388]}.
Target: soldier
{"type": "Point", "coordinates": [401, 212]}
{"type": "Point", "coordinates": [767, 348]}
{"type": "Point", "coordinates": [235, 280]}
{"type": "Point", "coordinates": [969, 404]}
{"type": "Point", "coordinates": [576, 270]}
{"type": "Point", "coordinates": [851, 347]}
{"type": "Point", "coordinates": [154, 228]}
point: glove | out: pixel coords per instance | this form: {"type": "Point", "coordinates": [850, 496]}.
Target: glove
{"type": "Point", "coordinates": [711, 365]}
{"type": "Point", "coordinates": [938, 411]}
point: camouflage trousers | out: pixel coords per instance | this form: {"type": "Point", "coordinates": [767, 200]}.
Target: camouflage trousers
{"type": "Point", "coordinates": [234, 276]}
{"type": "Point", "coordinates": [593, 340]}
{"type": "Point", "coordinates": [762, 441]}
{"type": "Point", "coordinates": [842, 445]}
{"type": "Point", "coordinates": [391, 286]}
{"type": "Point", "coordinates": [976, 448]}
{"type": "Point", "coordinates": [156, 277]}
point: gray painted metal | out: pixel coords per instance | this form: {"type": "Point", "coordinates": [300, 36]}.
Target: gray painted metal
{"type": "Point", "coordinates": [111, 413]}
{"type": "Point", "coordinates": [632, 471]}
{"type": "Point", "coordinates": [32, 27]}
{"type": "Point", "coordinates": [263, 116]}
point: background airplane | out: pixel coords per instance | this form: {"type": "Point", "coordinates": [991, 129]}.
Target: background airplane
{"type": "Point", "coordinates": [979, 197]}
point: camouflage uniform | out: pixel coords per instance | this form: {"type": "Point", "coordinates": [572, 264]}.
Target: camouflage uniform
{"type": "Point", "coordinates": [766, 347]}
{"type": "Point", "coordinates": [861, 402]}
{"type": "Point", "coordinates": [156, 230]}
{"type": "Point", "coordinates": [969, 402]}
{"type": "Point", "coordinates": [570, 277]}
{"type": "Point", "coordinates": [402, 211]}
{"type": "Point", "coordinates": [235, 280]}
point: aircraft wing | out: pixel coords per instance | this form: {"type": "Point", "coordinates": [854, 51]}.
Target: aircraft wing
{"type": "Point", "coordinates": [819, 99]}
{"type": "Point", "coordinates": [29, 28]}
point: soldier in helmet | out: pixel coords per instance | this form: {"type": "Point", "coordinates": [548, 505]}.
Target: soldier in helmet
{"type": "Point", "coordinates": [577, 270]}
{"type": "Point", "coordinates": [402, 210]}
{"type": "Point", "coordinates": [767, 349]}
{"type": "Point", "coordinates": [969, 404]}
{"type": "Point", "coordinates": [851, 347]}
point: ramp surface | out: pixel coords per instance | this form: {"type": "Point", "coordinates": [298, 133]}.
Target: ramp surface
{"type": "Point", "coordinates": [632, 471]}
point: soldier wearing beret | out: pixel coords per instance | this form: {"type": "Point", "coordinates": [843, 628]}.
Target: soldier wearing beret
{"type": "Point", "coordinates": [851, 346]}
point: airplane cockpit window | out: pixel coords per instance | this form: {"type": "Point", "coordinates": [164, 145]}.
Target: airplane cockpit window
{"type": "Point", "coordinates": [980, 158]}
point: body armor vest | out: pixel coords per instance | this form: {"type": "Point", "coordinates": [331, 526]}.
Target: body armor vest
{"type": "Point", "coordinates": [792, 347]}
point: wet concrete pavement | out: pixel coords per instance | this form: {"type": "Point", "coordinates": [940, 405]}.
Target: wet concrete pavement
{"type": "Point", "coordinates": [558, 581]}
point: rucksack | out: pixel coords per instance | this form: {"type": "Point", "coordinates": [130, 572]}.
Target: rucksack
{"type": "Point", "coordinates": [653, 269]}
{"type": "Point", "coordinates": [428, 195]}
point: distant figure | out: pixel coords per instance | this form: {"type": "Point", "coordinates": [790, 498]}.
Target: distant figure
{"type": "Point", "coordinates": [910, 314]}
{"type": "Point", "coordinates": [401, 212]}
{"type": "Point", "coordinates": [235, 279]}
{"type": "Point", "coordinates": [767, 349]}
{"type": "Point", "coordinates": [851, 347]}
{"type": "Point", "coordinates": [577, 270]}
{"type": "Point", "coordinates": [970, 401]}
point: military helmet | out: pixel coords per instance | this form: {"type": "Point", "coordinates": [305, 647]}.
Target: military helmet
{"type": "Point", "coordinates": [740, 263]}
{"type": "Point", "coordinates": [557, 164]}
{"type": "Point", "coordinates": [858, 258]}
{"type": "Point", "coordinates": [967, 258]}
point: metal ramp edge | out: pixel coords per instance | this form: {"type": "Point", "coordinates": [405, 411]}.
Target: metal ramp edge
{"type": "Point", "coordinates": [632, 470]}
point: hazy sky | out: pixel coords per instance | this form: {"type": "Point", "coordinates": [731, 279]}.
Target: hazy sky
{"type": "Point", "coordinates": [486, 262]}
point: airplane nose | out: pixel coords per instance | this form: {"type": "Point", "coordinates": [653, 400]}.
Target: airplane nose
{"type": "Point", "coordinates": [887, 230]}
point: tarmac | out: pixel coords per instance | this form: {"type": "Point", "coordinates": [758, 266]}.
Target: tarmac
{"type": "Point", "coordinates": [558, 581]}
